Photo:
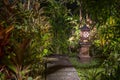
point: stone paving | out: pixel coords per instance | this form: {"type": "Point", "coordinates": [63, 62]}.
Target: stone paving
{"type": "Point", "coordinates": [61, 69]}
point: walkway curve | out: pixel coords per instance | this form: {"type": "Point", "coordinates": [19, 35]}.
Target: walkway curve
{"type": "Point", "coordinates": [60, 68]}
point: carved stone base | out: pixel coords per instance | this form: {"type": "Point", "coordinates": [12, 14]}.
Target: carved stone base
{"type": "Point", "coordinates": [84, 53]}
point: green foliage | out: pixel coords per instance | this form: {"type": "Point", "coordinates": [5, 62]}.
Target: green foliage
{"type": "Point", "coordinates": [89, 70]}
{"type": "Point", "coordinates": [93, 74]}
{"type": "Point", "coordinates": [2, 76]}
{"type": "Point", "coordinates": [91, 64]}
{"type": "Point", "coordinates": [108, 38]}
{"type": "Point", "coordinates": [58, 15]}
{"type": "Point", "coordinates": [29, 40]}
{"type": "Point", "coordinates": [75, 34]}
{"type": "Point", "coordinates": [38, 33]}
{"type": "Point", "coordinates": [111, 67]}
{"type": "Point", "coordinates": [2, 73]}
{"type": "Point", "coordinates": [15, 61]}
{"type": "Point", "coordinates": [13, 13]}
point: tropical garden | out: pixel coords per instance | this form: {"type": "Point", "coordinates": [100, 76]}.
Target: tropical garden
{"type": "Point", "coordinates": [30, 30]}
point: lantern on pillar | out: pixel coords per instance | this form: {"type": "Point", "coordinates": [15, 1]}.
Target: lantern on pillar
{"type": "Point", "coordinates": [84, 43]}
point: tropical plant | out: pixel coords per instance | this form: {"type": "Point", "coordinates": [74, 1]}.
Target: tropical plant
{"type": "Point", "coordinates": [93, 74]}
{"type": "Point", "coordinates": [29, 30]}
{"type": "Point", "coordinates": [14, 61]}
{"type": "Point", "coordinates": [4, 38]}
{"type": "Point", "coordinates": [111, 67]}
{"type": "Point", "coordinates": [58, 15]}
{"type": "Point", "coordinates": [2, 75]}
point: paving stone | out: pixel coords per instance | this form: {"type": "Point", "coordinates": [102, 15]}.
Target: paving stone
{"type": "Point", "coordinates": [61, 70]}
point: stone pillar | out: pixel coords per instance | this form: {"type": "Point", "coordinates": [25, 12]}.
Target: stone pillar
{"type": "Point", "coordinates": [84, 53]}
{"type": "Point", "coordinates": [84, 43]}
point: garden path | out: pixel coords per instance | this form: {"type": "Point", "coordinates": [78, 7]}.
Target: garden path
{"type": "Point", "coordinates": [60, 68]}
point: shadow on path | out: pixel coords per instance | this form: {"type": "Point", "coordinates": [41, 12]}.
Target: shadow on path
{"type": "Point", "coordinates": [60, 68]}
{"type": "Point", "coordinates": [56, 68]}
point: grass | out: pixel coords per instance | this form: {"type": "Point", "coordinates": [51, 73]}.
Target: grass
{"type": "Point", "coordinates": [87, 71]}
{"type": "Point", "coordinates": [76, 63]}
